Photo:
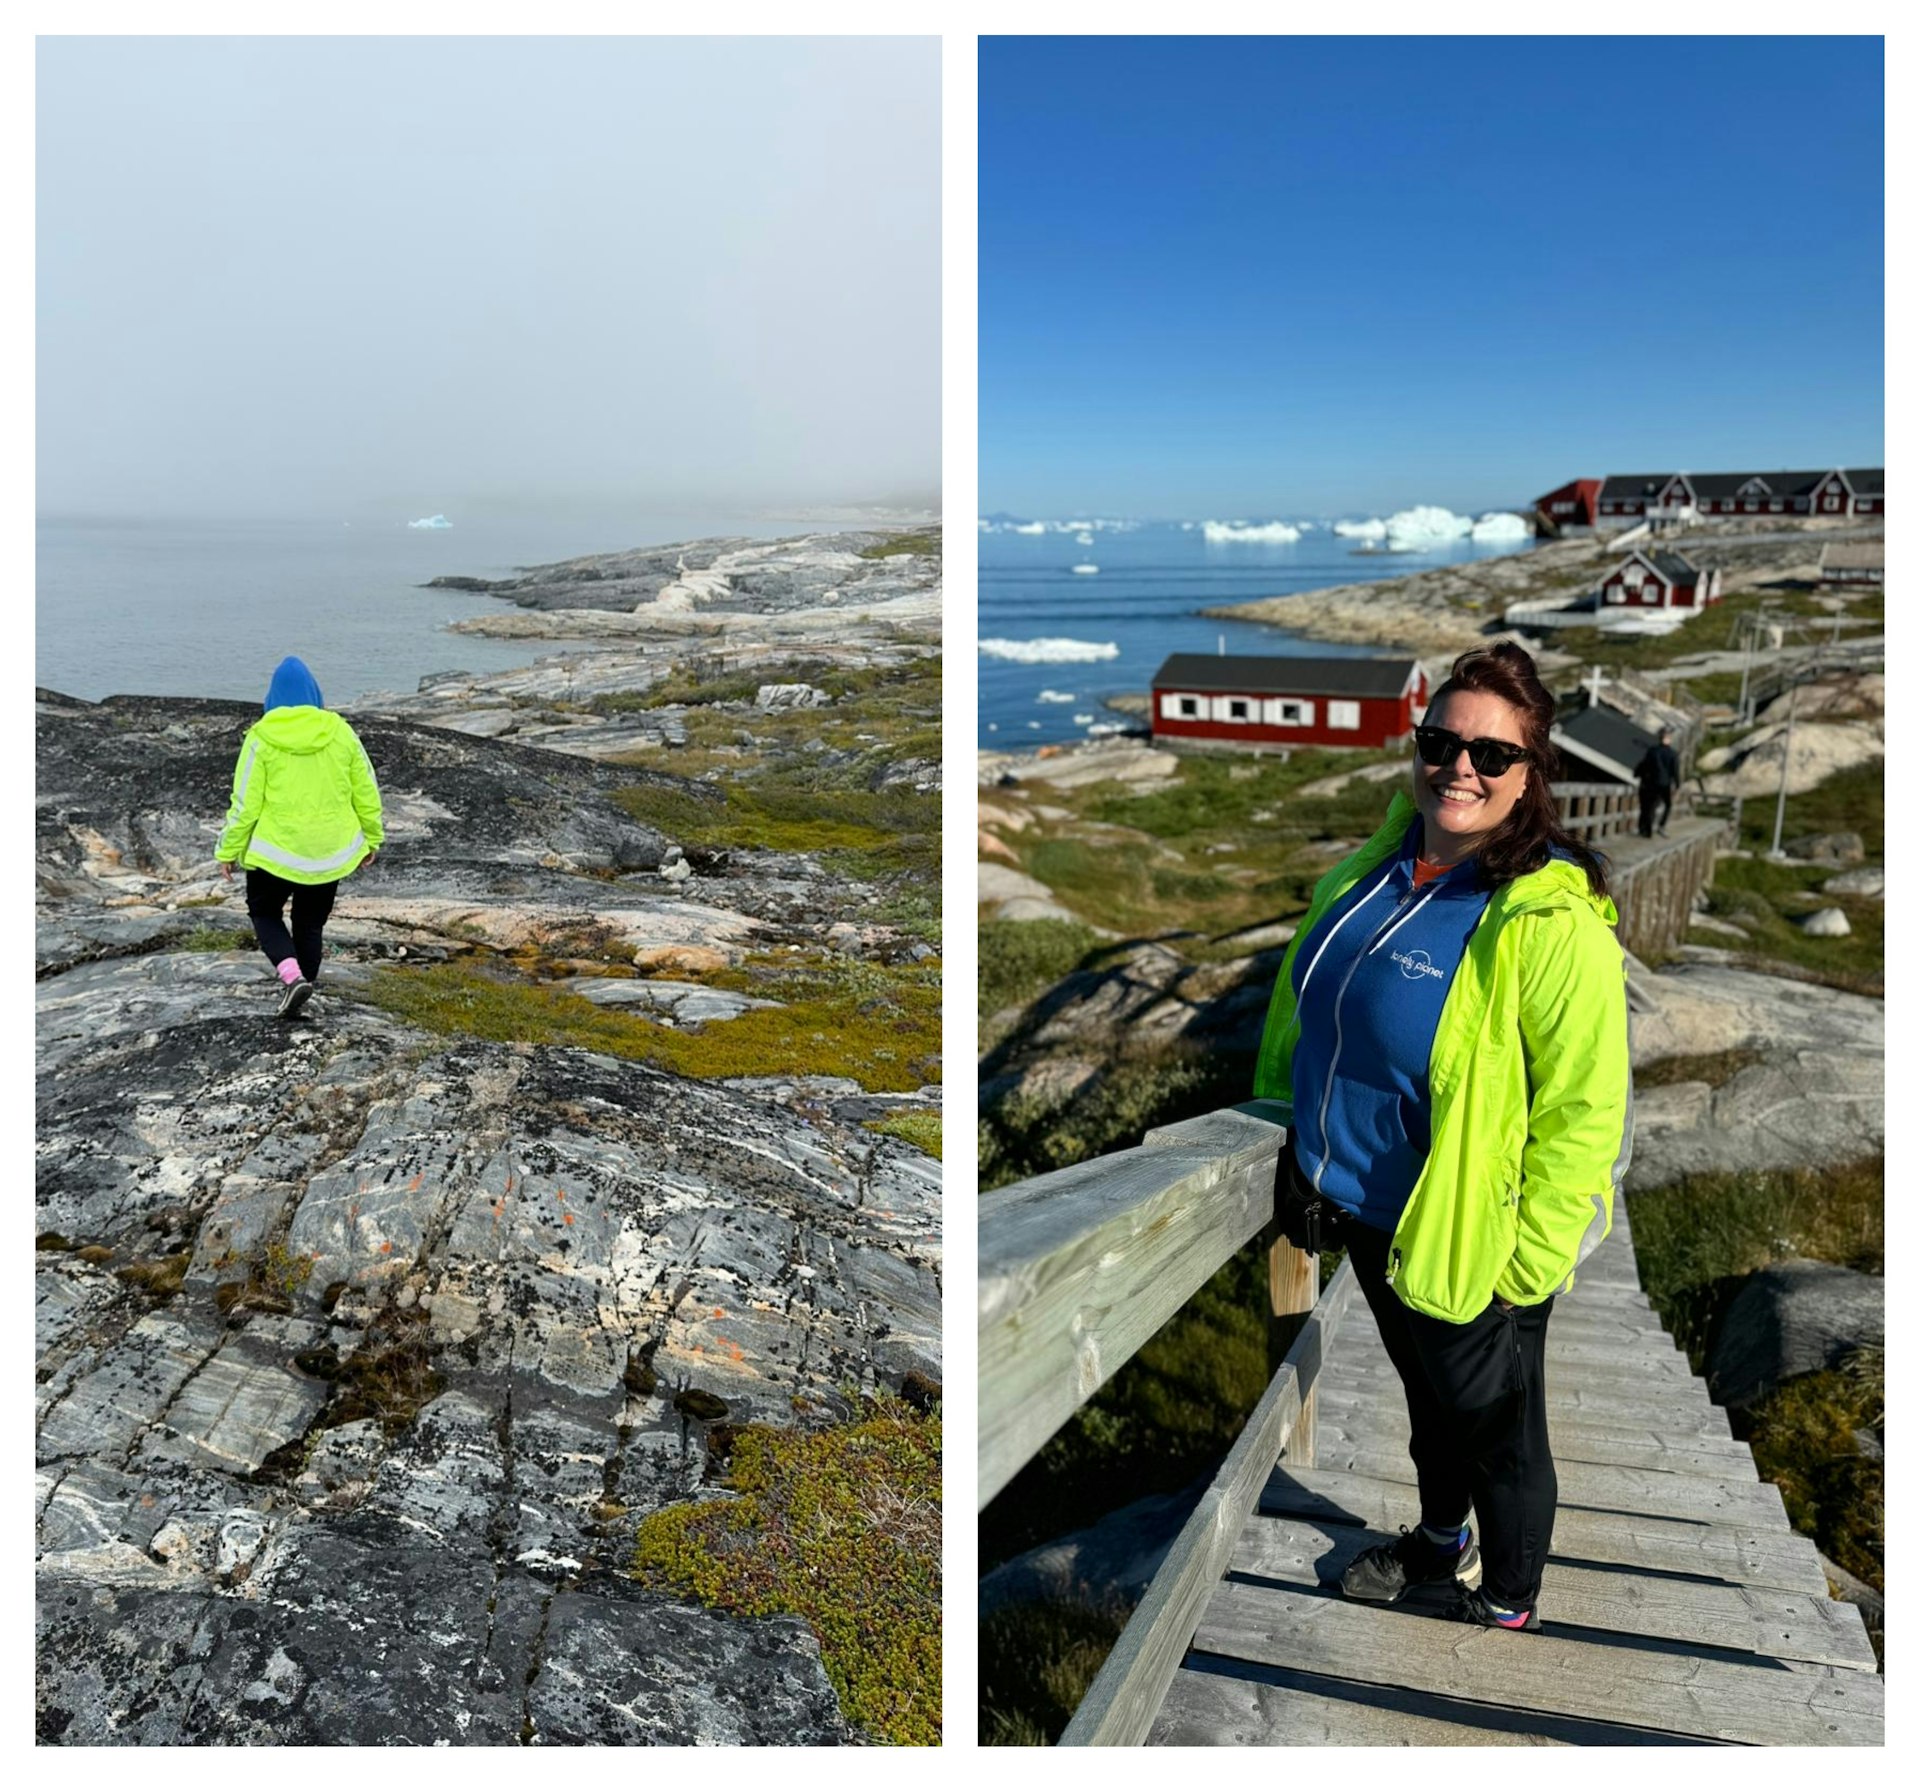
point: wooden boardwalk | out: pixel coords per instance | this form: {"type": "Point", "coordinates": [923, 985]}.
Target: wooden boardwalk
{"type": "Point", "coordinates": [1678, 1606]}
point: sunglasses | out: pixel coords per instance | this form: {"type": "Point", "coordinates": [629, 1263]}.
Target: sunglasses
{"type": "Point", "coordinates": [1490, 757]}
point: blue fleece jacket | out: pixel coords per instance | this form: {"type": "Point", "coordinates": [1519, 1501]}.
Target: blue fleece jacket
{"type": "Point", "coordinates": [293, 684]}
{"type": "Point", "coordinates": [1370, 989]}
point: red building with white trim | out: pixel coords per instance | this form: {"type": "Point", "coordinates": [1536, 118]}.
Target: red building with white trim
{"type": "Point", "coordinates": [1663, 579]}
{"type": "Point", "coordinates": [1804, 494]}
{"type": "Point", "coordinates": [1263, 702]}
{"type": "Point", "coordinates": [1573, 504]}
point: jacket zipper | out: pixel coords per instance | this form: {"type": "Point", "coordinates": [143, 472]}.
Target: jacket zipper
{"type": "Point", "coordinates": [1401, 913]}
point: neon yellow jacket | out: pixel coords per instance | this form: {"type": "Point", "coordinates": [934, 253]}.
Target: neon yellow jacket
{"type": "Point", "coordinates": [1532, 1092]}
{"type": "Point", "coordinates": [305, 804]}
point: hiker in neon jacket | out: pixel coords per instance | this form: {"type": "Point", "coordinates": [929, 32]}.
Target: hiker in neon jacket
{"type": "Point", "coordinates": [1450, 1030]}
{"type": "Point", "coordinates": [305, 813]}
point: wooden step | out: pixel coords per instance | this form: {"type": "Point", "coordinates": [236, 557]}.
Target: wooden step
{"type": "Point", "coordinates": [1707, 1612]}
{"type": "Point", "coordinates": [1374, 1439]}
{"type": "Point", "coordinates": [1224, 1701]}
{"type": "Point", "coordinates": [1765, 1557]}
{"type": "Point", "coordinates": [1634, 1490]}
{"type": "Point", "coordinates": [1554, 1672]}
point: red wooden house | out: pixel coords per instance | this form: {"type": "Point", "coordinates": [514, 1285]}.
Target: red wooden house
{"type": "Point", "coordinates": [1826, 494]}
{"type": "Point", "coordinates": [1572, 504]}
{"type": "Point", "coordinates": [1658, 578]}
{"type": "Point", "coordinates": [1261, 702]}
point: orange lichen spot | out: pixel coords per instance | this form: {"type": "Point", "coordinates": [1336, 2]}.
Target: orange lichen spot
{"type": "Point", "coordinates": [566, 1218]}
{"type": "Point", "coordinates": [386, 1249]}
{"type": "Point", "coordinates": [719, 1311]}
{"type": "Point", "coordinates": [559, 1194]}
{"type": "Point", "coordinates": [498, 1208]}
{"type": "Point", "coordinates": [413, 1187]}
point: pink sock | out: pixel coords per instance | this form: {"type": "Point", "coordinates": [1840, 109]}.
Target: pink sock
{"type": "Point", "coordinates": [289, 970]}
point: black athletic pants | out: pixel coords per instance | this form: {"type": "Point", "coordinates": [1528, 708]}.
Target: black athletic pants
{"type": "Point", "coordinates": [1477, 1398]}
{"type": "Point", "coordinates": [1656, 802]}
{"type": "Point", "coordinates": [312, 905]}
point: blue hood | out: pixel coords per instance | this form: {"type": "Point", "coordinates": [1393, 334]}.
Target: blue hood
{"type": "Point", "coordinates": [293, 684]}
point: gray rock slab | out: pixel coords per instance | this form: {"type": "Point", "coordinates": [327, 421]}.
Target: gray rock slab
{"type": "Point", "coordinates": [245, 1402]}
{"type": "Point", "coordinates": [1793, 1318]}
{"type": "Point", "coordinates": [687, 1004]}
{"type": "Point", "coordinates": [109, 1408]}
{"type": "Point", "coordinates": [621, 1668]}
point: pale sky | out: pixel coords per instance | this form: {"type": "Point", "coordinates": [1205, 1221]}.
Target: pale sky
{"type": "Point", "coordinates": [290, 274]}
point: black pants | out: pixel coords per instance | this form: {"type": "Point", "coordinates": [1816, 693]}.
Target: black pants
{"type": "Point", "coordinates": [1477, 1399]}
{"type": "Point", "coordinates": [1656, 802]}
{"type": "Point", "coordinates": [312, 905]}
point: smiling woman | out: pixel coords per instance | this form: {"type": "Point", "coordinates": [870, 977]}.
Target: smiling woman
{"type": "Point", "coordinates": [1457, 1072]}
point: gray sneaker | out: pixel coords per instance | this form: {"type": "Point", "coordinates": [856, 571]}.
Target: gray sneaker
{"type": "Point", "coordinates": [1386, 1573]}
{"type": "Point", "coordinates": [294, 998]}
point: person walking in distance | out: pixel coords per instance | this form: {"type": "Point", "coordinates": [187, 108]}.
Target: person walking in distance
{"type": "Point", "coordinates": [1449, 1033]}
{"type": "Point", "coordinates": [305, 813]}
{"type": "Point", "coordinates": [1658, 774]}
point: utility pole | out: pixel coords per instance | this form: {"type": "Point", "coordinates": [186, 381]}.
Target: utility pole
{"type": "Point", "coordinates": [1786, 758]}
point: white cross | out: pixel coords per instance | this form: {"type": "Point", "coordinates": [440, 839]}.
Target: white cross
{"type": "Point", "coordinates": [1598, 681]}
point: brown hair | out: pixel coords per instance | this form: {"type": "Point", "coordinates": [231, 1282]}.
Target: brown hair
{"type": "Point", "coordinates": [1532, 831]}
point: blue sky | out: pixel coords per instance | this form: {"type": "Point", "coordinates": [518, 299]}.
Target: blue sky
{"type": "Point", "coordinates": [1314, 276]}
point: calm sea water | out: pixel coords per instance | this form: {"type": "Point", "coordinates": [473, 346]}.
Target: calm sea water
{"type": "Point", "coordinates": [1145, 601]}
{"type": "Point", "coordinates": [209, 607]}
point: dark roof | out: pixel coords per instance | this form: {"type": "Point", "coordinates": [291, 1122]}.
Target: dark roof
{"type": "Point", "coordinates": [1355, 677]}
{"type": "Point", "coordinates": [1724, 485]}
{"type": "Point", "coordinates": [1607, 734]}
{"type": "Point", "coordinates": [1671, 565]}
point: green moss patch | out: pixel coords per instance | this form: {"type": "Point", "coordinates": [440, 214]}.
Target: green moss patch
{"type": "Point", "coordinates": [878, 1025]}
{"type": "Point", "coordinates": [921, 1130]}
{"type": "Point", "coordinates": [1806, 1439]}
{"type": "Point", "coordinates": [906, 544]}
{"type": "Point", "coordinates": [1760, 896]}
{"type": "Point", "coordinates": [1018, 960]}
{"type": "Point", "coordinates": [215, 940]}
{"type": "Point", "coordinates": [840, 1527]}
{"type": "Point", "coordinates": [1715, 1069]}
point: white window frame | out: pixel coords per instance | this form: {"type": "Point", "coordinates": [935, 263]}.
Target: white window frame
{"type": "Point", "coordinates": [1295, 713]}
{"type": "Point", "coordinates": [1343, 714]}
{"type": "Point", "coordinates": [1181, 705]}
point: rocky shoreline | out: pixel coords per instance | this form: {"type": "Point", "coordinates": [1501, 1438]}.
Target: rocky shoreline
{"type": "Point", "coordinates": [367, 1342]}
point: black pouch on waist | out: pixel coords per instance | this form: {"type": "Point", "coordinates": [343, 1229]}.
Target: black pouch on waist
{"type": "Point", "coordinates": [1306, 1218]}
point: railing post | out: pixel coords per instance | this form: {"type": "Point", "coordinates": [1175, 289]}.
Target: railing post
{"type": "Point", "coordinates": [1293, 1290]}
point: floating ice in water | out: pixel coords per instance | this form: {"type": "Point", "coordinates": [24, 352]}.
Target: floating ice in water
{"type": "Point", "coordinates": [1083, 538]}
{"type": "Point", "coordinates": [1360, 529]}
{"type": "Point", "coordinates": [1083, 717]}
{"type": "Point", "coordinates": [1107, 730]}
{"type": "Point", "coordinates": [1033, 723]}
{"type": "Point", "coordinates": [1032, 529]}
{"type": "Point", "coordinates": [1500, 529]}
{"type": "Point", "coordinates": [1234, 532]}
{"type": "Point", "coordinates": [1186, 525]}
{"type": "Point", "coordinates": [1047, 649]}
{"type": "Point", "coordinates": [993, 726]}
{"type": "Point", "coordinates": [1426, 525]}
{"type": "Point", "coordinates": [1086, 569]}
{"type": "Point", "coordinates": [432, 523]}
{"type": "Point", "coordinates": [1049, 697]}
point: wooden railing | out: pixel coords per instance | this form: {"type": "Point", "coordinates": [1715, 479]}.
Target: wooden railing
{"type": "Point", "coordinates": [1079, 1268]}
{"type": "Point", "coordinates": [1594, 810]}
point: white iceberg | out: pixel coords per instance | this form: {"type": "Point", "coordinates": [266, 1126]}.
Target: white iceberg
{"type": "Point", "coordinates": [1047, 649]}
{"type": "Point", "coordinates": [1500, 529]}
{"type": "Point", "coordinates": [1032, 529]}
{"type": "Point", "coordinates": [1233, 532]}
{"type": "Point", "coordinates": [1375, 529]}
{"type": "Point", "coordinates": [432, 523]}
{"type": "Point", "coordinates": [1083, 717]}
{"type": "Point", "coordinates": [1086, 569]}
{"type": "Point", "coordinates": [1426, 526]}
{"type": "Point", "coordinates": [1049, 697]}
{"type": "Point", "coordinates": [1083, 538]}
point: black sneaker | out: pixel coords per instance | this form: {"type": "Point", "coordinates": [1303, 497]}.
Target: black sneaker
{"type": "Point", "coordinates": [294, 998]}
{"type": "Point", "coordinates": [1473, 1606]}
{"type": "Point", "coordinates": [1385, 1574]}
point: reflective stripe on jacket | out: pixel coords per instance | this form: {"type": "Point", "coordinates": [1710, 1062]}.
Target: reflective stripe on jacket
{"type": "Point", "coordinates": [305, 803]}
{"type": "Point", "coordinates": [1532, 1092]}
